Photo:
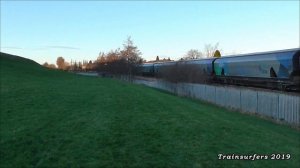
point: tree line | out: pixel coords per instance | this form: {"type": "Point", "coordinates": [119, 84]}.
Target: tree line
{"type": "Point", "coordinates": [118, 61]}
{"type": "Point", "coordinates": [126, 61]}
{"type": "Point", "coordinates": [209, 51]}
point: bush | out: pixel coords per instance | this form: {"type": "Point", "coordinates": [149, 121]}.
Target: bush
{"type": "Point", "coordinates": [184, 73]}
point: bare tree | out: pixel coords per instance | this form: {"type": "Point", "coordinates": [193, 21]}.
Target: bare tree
{"type": "Point", "coordinates": [210, 49]}
{"type": "Point", "coordinates": [193, 54]}
{"type": "Point", "coordinates": [130, 51]}
{"type": "Point", "coordinates": [182, 72]}
{"type": "Point", "coordinates": [52, 66]}
{"type": "Point", "coordinates": [113, 55]}
{"type": "Point", "coordinates": [101, 59]}
{"type": "Point", "coordinates": [46, 64]}
{"type": "Point", "coordinates": [131, 54]}
{"type": "Point", "coordinates": [49, 65]}
{"type": "Point", "coordinates": [120, 62]}
{"type": "Point", "coordinates": [60, 62]}
{"type": "Point", "coordinates": [101, 56]}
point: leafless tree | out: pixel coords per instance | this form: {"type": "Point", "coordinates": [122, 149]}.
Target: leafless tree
{"type": "Point", "coordinates": [210, 49]}
{"type": "Point", "coordinates": [182, 72]}
{"type": "Point", "coordinates": [60, 62]}
{"type": "Point", "coordinates": [46, 64]}
{"type": "Point", "coordinates": [193, 54]}
{"type": "Point", "coordinates": [130, 51]}
{"type": "Point", "coordinates": [52, 66]}
{"type": "Point", "coordinates": [120, 62]}
{"type": "Point", "coordinates": [131, 55]}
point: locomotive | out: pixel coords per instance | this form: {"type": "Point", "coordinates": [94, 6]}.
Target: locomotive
{"type": "Point", "coordinates": [275, 69]}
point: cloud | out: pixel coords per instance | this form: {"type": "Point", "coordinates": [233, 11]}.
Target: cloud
{"type": "Point", "coordinates": [42, 48]}
{"type": "Point", "coordinates": [12, 47]}
{"type": "Point", "coordinates": [63, 47]}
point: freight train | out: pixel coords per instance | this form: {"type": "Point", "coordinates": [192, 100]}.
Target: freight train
{"type": "Point", "coordinates": [274, 69]}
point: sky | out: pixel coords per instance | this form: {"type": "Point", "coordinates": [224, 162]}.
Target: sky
{"type": "Point", "coordinates": [79, 30]}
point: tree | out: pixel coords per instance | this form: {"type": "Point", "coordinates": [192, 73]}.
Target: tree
{"type": "Point", "coordinates": [75, 66]}
{"type": "Point", "coordinates": [67, 66]}
{"type": "Point", "coordinates": [131, 55]}
{"type": "Point", "coordinates": [130, 51]}
{"type": "Point", "coordinates": [112, 64]}
{"type": "Point", "coordinates": [217, 54]}
{"type": "Point", "coordinates": [79, 66]}
{"type": "Point", "coordinates": [157, 58]}
{"type": "Point", "coordinates": [193, 54]}
{"type": "Point", "coordinates": [102, 59]}
{"type": "Point", "coordinates": [60, 62]}
{"type": "Point", "coordinates": [113, 55]}
{"type": "Point", "coordinates": [46, 64]}
{"type": "Point", "coordinates": [101, 56]}
{"type": "Point", "coordinates": [117, 62]}
{"type": "Point", "coordinates": [89, 66]}
{"type": "Point", "coordinates": [210, 49]}
{"type": "Point", "coordinates": [52, 66]}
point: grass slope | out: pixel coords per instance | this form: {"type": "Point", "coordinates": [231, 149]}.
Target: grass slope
{"type": "Point", "coordinates": [56, 119]}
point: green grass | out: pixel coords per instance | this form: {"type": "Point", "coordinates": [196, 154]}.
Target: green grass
{"type": "Point", "coordinates": [56, 119]}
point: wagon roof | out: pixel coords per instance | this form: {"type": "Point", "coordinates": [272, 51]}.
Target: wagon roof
{"type": "Point", "coordinates": [261, 53]}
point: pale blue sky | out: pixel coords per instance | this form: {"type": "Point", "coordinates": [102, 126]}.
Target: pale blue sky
{"type": "Point", "coordinates": [79, 30]}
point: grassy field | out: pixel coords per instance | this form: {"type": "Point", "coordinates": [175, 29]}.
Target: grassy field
{"type": "Point", "coordinates": [57, 119]}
